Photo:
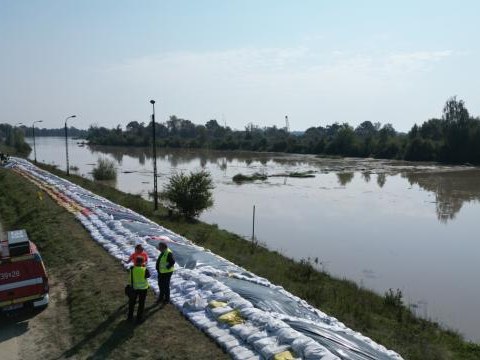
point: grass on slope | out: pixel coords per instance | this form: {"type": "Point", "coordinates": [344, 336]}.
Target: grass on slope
{"type": "Point", "coordinates": [94, 283]}
{"type": "Point", "coordinates": [383, 319]}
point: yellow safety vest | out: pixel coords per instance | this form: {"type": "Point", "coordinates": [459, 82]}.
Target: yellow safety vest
{"type": "Point", "coordinates": [163, 262]}
{"type": "Point", "coordinates": [139, 280]}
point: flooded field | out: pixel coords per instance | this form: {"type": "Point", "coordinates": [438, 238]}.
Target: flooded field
{"type": "Point", "coordinates": [383, 224]}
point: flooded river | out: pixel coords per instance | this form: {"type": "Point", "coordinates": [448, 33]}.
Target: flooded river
{"type": "Point", "coordinates": [384, 224]}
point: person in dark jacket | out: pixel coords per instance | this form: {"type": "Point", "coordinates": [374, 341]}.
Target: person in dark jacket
{"type": "Point", "coordinates": [138, 276]}
{"type": "Point", "coordinates": [164, 266]}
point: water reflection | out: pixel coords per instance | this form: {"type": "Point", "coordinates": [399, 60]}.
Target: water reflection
{"type": "Point", "coordinates": [366, 176]}
{"type": "Point", "coordinates": [345, 178]}
{"type": "Point", "coordinates": [451, 188]}
{"type": "Point", "coordinates": [381, 179]}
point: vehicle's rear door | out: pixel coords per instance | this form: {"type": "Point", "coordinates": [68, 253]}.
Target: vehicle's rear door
{"type": "Point", "coordinates": [21, 279]}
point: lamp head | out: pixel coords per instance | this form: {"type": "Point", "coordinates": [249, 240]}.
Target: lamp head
{"type": "Point", "coordinates": [152, 102]}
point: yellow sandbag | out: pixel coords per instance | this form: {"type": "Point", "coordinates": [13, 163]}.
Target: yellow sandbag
{"type": "Point", "coordinates": [215, 304]}
{"type": "Point", "coordinates": [284, 355]}
{"type": "Point", "coordinates": [231, 318]}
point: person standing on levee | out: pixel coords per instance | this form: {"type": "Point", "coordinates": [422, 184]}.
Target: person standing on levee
{"type": "Point", "coordinates": [164, 266]}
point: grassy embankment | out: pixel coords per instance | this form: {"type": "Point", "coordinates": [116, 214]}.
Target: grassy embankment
{"type": "Point", "coordinates": [94, 281]}
{"type": "Point", "coordinates": [380, 318]}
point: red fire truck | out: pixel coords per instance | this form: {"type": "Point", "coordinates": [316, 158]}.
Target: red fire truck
{"type": "Point", "coordinates": [23, 278]}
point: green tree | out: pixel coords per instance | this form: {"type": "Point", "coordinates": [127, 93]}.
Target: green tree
{"type": "Point", "coordinates": [189, 194]}
{"type": "Point", "coordinates": [457, 128]}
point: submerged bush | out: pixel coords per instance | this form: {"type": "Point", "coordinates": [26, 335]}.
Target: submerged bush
{"type": "Point", "coordinates": [105, 170]}
{"type": "Point", "coordinates": [256, 176]}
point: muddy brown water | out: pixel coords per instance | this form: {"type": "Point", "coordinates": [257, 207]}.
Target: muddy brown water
{"type": "Point", "coordinates": [384, 224]}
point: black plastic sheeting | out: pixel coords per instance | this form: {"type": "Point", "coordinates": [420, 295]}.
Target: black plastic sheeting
{"type": "Point", "coordinates": [343, 345]}
{"type": "Point", "coordinates": [338, 343]}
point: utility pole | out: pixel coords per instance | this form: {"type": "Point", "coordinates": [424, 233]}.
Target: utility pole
{"type": "Point", "coordinates": [253, 227]}
{"type": "Point", "coordinates": [155, 193]}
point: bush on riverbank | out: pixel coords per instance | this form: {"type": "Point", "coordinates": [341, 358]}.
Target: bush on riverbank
{"type": "Point", "coordinates": [105, 170]}
{"type": "Point", "coordinates": [383, 318]}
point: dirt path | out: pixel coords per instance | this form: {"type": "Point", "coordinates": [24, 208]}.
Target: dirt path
{"type": "Point", "coordinates": [34, 335]}
{"type": "Point", "coordinates": [9, 335]}
{"type": "Point", "coordinates": [9, 339]}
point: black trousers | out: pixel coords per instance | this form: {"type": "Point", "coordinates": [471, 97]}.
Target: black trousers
{"type": "Point", "coordinates": [141, 294]}
{"type": "Point", "coordinates": [164, 286]}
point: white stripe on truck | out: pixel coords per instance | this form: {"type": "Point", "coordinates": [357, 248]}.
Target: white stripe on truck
{"type": "Point", "coordinates": [19, 284]}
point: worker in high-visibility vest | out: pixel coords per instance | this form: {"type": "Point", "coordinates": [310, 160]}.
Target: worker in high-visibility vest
{"type": "Point", "coordinates": [138, 276]}
{"type": "Point", "coordinates": [165, 266]}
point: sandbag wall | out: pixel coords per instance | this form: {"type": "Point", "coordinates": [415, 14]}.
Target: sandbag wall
{"type": "Point", "coordinates": [247, 315]}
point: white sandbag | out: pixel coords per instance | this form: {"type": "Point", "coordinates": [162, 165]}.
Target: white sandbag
{"type": "Point", "coordinates": [227, 339]}
{"type": "Point", "coordinates": [195, 303]}
{"type": "Point", "coordinates": [218, 311]}
{"type": "Point", "coordinates": [229, 345]}
{"type": "Point", "coordinates": [256, 336]}
{"type": "Point", "coordinates": [315, 351]}
{"type": "Point", "coordinates": [241, 353]}
{"type": "Point", "coordinates": [261, 343]}
{"type": "Point", "coordinates": [243, 331]}
{"type": "Point", "coordinates": [207, 323]}
{"type": "Point", "coordinates": [250, 312]}
{"type": "Point", "coordinates": [270, 350]}
{"type": "Point", "coordinates": [287, 335]}
{"type": "Point", "coordinates": [300, 343]}
{"type": "Point", "coordinates": [239, 303]}
{"type": "Point", "coordinates": [274, 325]}
{"type": "Point", "coordinates": [216, 332]}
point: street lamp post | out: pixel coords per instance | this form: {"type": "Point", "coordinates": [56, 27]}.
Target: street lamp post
{"type": "Point", "coordinates": [66, 141]}
{"type": "Point", "coordinates": [155, 193]}
{"type": "Point", "coordinates": [34, 147]}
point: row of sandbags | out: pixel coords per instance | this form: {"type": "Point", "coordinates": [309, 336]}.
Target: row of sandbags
{"type": "Point", "coordinates": [207, 288]}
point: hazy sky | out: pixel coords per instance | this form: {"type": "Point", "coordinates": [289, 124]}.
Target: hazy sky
{"type": "Point", "coordinates": [238, 61]}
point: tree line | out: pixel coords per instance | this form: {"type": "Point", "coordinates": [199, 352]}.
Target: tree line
{"type": "Point", "coordinates": [72, 132]}
{"type": "Point", "coordinates": [453, 138]}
